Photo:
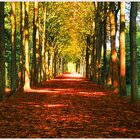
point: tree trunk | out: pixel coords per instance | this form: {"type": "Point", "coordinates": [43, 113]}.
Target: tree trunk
{"type": "Point", "coordinates": [104, 45]}
{"type": "Point", "coordinates": [113, 48]}
{"type": "Point", "coordinates": [122, 50]}
{"type": "Point", "coordinates": [36, 52]}
{"type": "Point", "coordinates": [49, 65]}
{"type": "Point", "coordinates": [98, 29]}
{"type": "Point", "coordinates": [55, 57]}
{"type": "Point", "coordinates": [27, 70]}
{"type": "Point", "coordinates": [92, 62]}
{"type": "Point", "coordinates": [93, 56]}
{"type": "Point", "coordinates": [87, 57]}
{"type": "Point", "coordinates": [43, 44]}
{"type": "Point", "coordinates": [2, 52]}
{"type": "Point", "coordinates": [133, 52]}
{"type": "Point", "coordinates": [21, 58]}
{"type": "Point", "coordinates": [13, 49]}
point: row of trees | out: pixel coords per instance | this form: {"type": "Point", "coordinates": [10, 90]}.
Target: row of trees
{"type": "Point", "coordinates": [108, 66]}
{"type": "Point", "coordinates": [35, 37]}
{"type": "Point", "coordinates": [38, 39]}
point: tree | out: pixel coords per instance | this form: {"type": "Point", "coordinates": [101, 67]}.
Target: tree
{"type": "Point", "coordinates": [122, 50]}
{"type": "Point", "coordinates": [21, 58]}
{"type": "Point", "coordinates": [13, 50]}
{"type": "Point", "coordinates": [27, 70]}
{"type": "Point", "coordinates": [36, 53]}
{"type": "Point", "coordinates": [133, 52]}
{"type": "Point", "coordinates": [2, 52]}
{"type": "Point", "coordinates": [113, 48]}
{"type": "Point", "coordinates": [44, 44]}
{"type": "Point", "coordinates": [98, 40]}
{"type": "Point", "coordinates": [104, 44]}
{"type": "Point", "coordinates": [87, 56]}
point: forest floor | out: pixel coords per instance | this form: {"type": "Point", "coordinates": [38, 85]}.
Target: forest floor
{"type": "Point", "coordinates": [69, 107]}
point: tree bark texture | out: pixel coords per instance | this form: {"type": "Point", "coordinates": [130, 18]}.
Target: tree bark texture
{"type": "Point", "coordinates": [133, 52]}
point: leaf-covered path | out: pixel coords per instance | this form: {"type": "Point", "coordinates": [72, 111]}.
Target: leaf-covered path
{"type": "Point", "coordinates": [69, 107]}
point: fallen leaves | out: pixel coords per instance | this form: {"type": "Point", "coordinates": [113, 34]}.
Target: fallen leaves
{"type": "Point", "coordinates": [69, 107]}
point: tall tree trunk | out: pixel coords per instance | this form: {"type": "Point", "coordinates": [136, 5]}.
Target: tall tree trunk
{"type": "Point", "coordinates": [104, 45]}
{"type": "Point", "coordinates": [95, 46]}
{"type": "Point", "coordinates": [39, 60]}
{"type": "Point", "coordinates": [36, 52]}
{"type": "Point", "coordinates": [46, 62]}
{"type": "Point", "coordinates": [109, 76]}
{"type": "Point", "coordinates": [21, 58]}
{"type": "Point", "coordinates": [98, 29]}
{"type": "Point", "coordinates": [43, 44]}
{"type": "Point", "coordinates": [93, 60]}
{"type": "Point", "coordinates": [122, 50]}
{"type": "Point", "coordinates": [27, 70]}
{"type": "Point", "coordinates": [133, 52]}
{"type": "Point", "coordinates": [54, 65]}
{"type": "Point", "coordinates": [113, 48]}
{"type": "Point", "coordinates": [2, 52]}
{"type": "Point", "coordinates": [13, 50]}
{"type": "Point", "coordinates": [49, 65]}
{"type": "Point", "coordinates": [93, 56]}
{"type": "Point", "coordinates": [87, 56]}
{"type": "Point", "coordinates": [55, 57]}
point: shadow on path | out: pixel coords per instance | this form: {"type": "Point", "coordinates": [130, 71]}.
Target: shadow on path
{"type": "Point", "coordinates": [69, 107]}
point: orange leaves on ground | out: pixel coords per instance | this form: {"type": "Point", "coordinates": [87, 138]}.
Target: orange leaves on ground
{"type": "Point", "coordinates": [69, 107]}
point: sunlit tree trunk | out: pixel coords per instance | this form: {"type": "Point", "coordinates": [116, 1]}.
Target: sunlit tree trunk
{"type": "Point", "coordinates": [39, 60]}
{"type": "Point", "coordinates": [98, 33]}
{"type": "Point", "coordinates": [2, 52]}
{"type": "Point", "coordinates": [13, 50]}
{"type": "Point", "coordinates": [122, 50]}
{"type": "Point", "coordinates": [49, 64]}
{"type": "Point", "coordinates": [93, 53]}
{"type": "Point", "coordinates": [87, 56]}
{"type": "Point", "coordinates": [21, 58]}
{"type": "Point", "coordinates": [27, 70]}
{"type": "Point", "coordinates": [36, 53]}
{"type": "Point", "coordinates": [55, 56]}
{"type": "Point", "coordinates": [37, 43]}
{"type": "Point", "coordinates": [92, 63]}
{"type": "Point", "coordinates": [104, 44]}
{"type": "Point", "coordinates": [43, 44]}
{"type": "Point", "coordinates": [95, 44]}
{"type": "Point", "coordinates": [133, 52]}
{"type": "Point", "coordinates": [93, 60]}
{"type": "Point", "coordinates": [62, 65]}
{"type": "Point", "coordinates": [100, 41]}
{"type": "Point", "coordinates": [46, 61]}
{"type": "Point", "coordinates": [113, 48]}
{"type": "Point", "coordinates": [34, 50]}
{"type": "Point", "coordinates": [109, 76]}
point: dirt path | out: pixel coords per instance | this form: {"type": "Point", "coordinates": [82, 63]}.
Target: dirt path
{"type": "Point", "coordinates": [69, 107]}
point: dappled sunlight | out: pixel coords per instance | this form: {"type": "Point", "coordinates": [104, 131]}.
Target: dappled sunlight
{"type": "Point", "coordinates": [75, 118]}
{"type": "Point", "coordinates": [92, 94]}
{"type": "Point", "coordinates": [74, 75]}
{"type": "Point", "coordinates": [68, 79]}
{"type": "Point", "coordinates": [41, 91]}
{"type": "Point", "coordinates": [125, 130]}
{"type": "Point", "coordinates": [120, 129]}
{"type": "Point", "coordinates": [35, 104]}
{"type": "Point", "coordinates": [69, 108]}
{"type": "Point", "coordinates": [54, 105]}
{"type": "Point", "coordinates": [70, 76]}
{"type": "Point", "coordinates": [67, 91]}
